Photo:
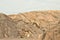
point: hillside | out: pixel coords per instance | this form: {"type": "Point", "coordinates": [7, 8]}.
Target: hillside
{"type": "Point", "coordinates": [37, 25]}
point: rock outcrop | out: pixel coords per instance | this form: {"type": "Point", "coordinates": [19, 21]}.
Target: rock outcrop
{"type": "Point", "coordinates": [7, 27]}
{"type": "Point", "coordinates": [37, 25]}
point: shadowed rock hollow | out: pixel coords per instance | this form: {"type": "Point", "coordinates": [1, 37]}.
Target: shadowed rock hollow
{"type": "Point", "coordinates": [37, 25]}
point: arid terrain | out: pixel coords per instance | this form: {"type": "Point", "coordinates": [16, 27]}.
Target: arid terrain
{"type": "Point", "coordinates": [34, 25]}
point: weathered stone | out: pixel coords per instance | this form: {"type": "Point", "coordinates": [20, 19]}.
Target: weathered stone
{"type": "Point", "coordinates": [37, 25]}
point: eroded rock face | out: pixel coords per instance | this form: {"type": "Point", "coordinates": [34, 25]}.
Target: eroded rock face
{"type": "Point", "coordinates": [7, 27]}
{"type": "Point", "coordinates": [43, 25]}
{"type": "Point", "coordinates": [38, 25]}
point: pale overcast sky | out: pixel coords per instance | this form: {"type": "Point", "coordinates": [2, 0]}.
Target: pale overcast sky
{"type": "Point", "coordinates": [16, 6]}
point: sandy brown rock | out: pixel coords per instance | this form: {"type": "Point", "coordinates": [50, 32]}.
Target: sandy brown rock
{"type": "Point", "coordinates": [37, 25]}
{"type": "Point", "coordinates": [7, 27]}
{"type": "Point", "coordinates": [45, 24]}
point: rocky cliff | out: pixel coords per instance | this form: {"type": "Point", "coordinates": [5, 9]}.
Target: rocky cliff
{"type": "Point", "coordinates": [37, 25]}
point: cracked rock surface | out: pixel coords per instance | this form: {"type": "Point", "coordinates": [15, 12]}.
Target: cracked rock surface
{"type": "Point", "coordinates": [35, 25]}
